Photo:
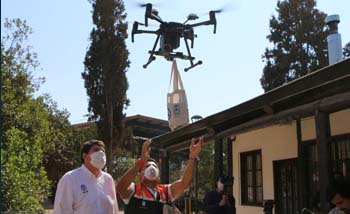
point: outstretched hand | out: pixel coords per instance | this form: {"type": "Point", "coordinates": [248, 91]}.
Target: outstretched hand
{"type": "Point", "coordinates": [146, 150]}
{"type": "Point", "coordinates": [195, 148]}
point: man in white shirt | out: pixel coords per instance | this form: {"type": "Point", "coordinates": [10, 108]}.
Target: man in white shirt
{"type": "Point", "coordinates": [87, 189]}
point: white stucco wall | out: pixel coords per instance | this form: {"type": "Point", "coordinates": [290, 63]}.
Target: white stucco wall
{"type": "Point", "coordinates": [278, 142]}
{"type": "Point", "coordinates": [340, 124]}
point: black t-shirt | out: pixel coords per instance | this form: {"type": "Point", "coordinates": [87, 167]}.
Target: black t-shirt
{"type": "Point", "coordinates": [211, 203]}
{"type": "Point", "coordinates": [212, 200]}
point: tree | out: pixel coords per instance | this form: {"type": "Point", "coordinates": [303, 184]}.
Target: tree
{"type": "Point", "coordinates": [205, 167]}
{"type": "Point", "coordinates": [106, 63]}
{"type": "Point", "coordinates": [24, 180]}
{"type": "Point", "coordinates": [63, 143]}
{"type": "Point", "coordinates": [346, 50]}
{"type": "Point", "coordinates": [39, 144]}
{"type": "Point", "coordinates": [299, 42]}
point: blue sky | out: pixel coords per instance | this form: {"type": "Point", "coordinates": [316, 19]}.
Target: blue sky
{"type": "Point", "coordinates": [229, 75]}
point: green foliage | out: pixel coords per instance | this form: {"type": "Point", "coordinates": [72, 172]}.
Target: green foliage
{"type": "Point", "coordinates": [123, 160]}
{"type": "Point", "coordinates": [178, 162]}
{"type": "Point", "coordinates": [25, 127]}
{"type": "Point", "coordinates": [106, 63]}
{"type": "Point", "coordinates": [23, 177]}
{"type": "Point", "coordinates": [299, 36]}
{"type": "Point", "coordinates": [62, 143]}
{"type": "Point", "coordinates": [206, 170]}
{"type": "Point", "coordinates": [38, 142]}
{"type": "Point", "coordinates": [82, 135]}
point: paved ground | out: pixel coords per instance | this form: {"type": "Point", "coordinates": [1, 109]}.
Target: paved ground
{"type": "Point", "coordinates": [51, 212]}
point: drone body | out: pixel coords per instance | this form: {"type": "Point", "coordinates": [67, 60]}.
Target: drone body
{"type": "Point", "coordinates": [169, 35]}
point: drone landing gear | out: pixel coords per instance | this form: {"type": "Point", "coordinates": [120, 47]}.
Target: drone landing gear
{"type": "Point", "coordinates": [171, 55]}
{"type": "Point", "coordinates": [190, 57]}
{"type": "Point", "coordinates": [193, 65]}
{"type": "Point", "coordinates": [151, 59]}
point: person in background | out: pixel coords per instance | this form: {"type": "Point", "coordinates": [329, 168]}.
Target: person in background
{"type": "Point", "coordinates": [218, 201]}
{"type": "Point", "coordinates": [148, 196]}
{"type": "Point", "coordinates": [87, 189]}
{"type": "Point", "coordinates": [338, 193]}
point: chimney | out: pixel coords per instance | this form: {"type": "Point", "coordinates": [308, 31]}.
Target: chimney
{"type": "Point", "coordinates": [334, 40]}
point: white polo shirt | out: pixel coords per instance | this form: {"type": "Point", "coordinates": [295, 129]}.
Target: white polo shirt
{"type": "Point", "coordinates": [81, 192]}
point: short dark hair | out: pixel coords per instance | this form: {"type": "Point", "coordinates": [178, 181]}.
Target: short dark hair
{"type": "Point", "coordinates": [87, 146]}
{"type": "Point", "coordinates": [339, 185]}
{"type": "Point", "coordinates": [153, 160]}
{"type": "Point", "coordinates": [220, 178]}
{"type": "Point", "coordinates": [225, 179]}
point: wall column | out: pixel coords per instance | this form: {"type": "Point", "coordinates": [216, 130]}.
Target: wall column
{"type": "Point", "coordinates": [218, 159]}
{"type": "Point", "coordinates": [230, 142]}
{"type": "Point", "coordinates": [164, 164]}
{"type": "Point", "coordinates": [323, 141]}
{"type": "Point", "coordinates": [301, 167]}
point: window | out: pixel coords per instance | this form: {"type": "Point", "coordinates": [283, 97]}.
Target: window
{"type": "Point", "coordinates": [341, 154]}
{"type": "Point", "coordinates": [339, 161]}
{"type": "Point", "coordinates": [251, 178]}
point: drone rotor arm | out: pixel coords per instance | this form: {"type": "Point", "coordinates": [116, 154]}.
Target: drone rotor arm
{"type": "Point", "coordinates": [141, 31]}
{"type": "Point", "coordinates": [201, 23]}
{"type": "Point", "coordinates": [157, 18]}
{"type": "Point", "coordinates": [147, 31]}
{"type": "Point", "coordinates": [135, 27]}
{"type": "Point", "coordinates": [213, 19]}
{"type": "Point", "coordinates": [148, 13]}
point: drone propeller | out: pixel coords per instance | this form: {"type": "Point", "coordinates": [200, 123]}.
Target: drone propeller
{"type": "Point", "coordinates": [218, 11]}
{"type": "Point", "coordinates": [225, 8]}
{"type": "Point", "coordinates": [155, 12]}
{"type": "Point", "coordinates": [191, 17]}
{"type": "Point", "coordinates": [143, 4]}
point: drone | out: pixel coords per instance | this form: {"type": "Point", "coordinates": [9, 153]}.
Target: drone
{"type": "Point", "coordinates": [169, 35]}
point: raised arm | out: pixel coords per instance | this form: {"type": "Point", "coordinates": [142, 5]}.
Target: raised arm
{"type": "Point", "coordinates": [124, 184]}
{"type": "Point", "coordinates": [178, 187]}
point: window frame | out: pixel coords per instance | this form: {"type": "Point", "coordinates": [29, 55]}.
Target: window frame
{"type": "Point", "coordinates": [254, 154]}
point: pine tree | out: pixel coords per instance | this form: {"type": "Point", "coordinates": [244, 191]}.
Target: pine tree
{"type": "Point", "coordinates": [346, 50]}
{"type": "Point", "coordinates": [106, 63]}
{"type": "Point", "coordinates": [299, 42]}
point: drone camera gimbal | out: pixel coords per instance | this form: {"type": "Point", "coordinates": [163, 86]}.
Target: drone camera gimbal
{"type": "Point", "coordinates": [169, 35]}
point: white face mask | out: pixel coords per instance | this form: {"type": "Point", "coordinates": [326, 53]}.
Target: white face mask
{"type": "Point", "coordinates": [98, 159]}
{"type": "Point", "coordinates": [220, 186]}
{"type": "Point", "coordinates": [151, 172]}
